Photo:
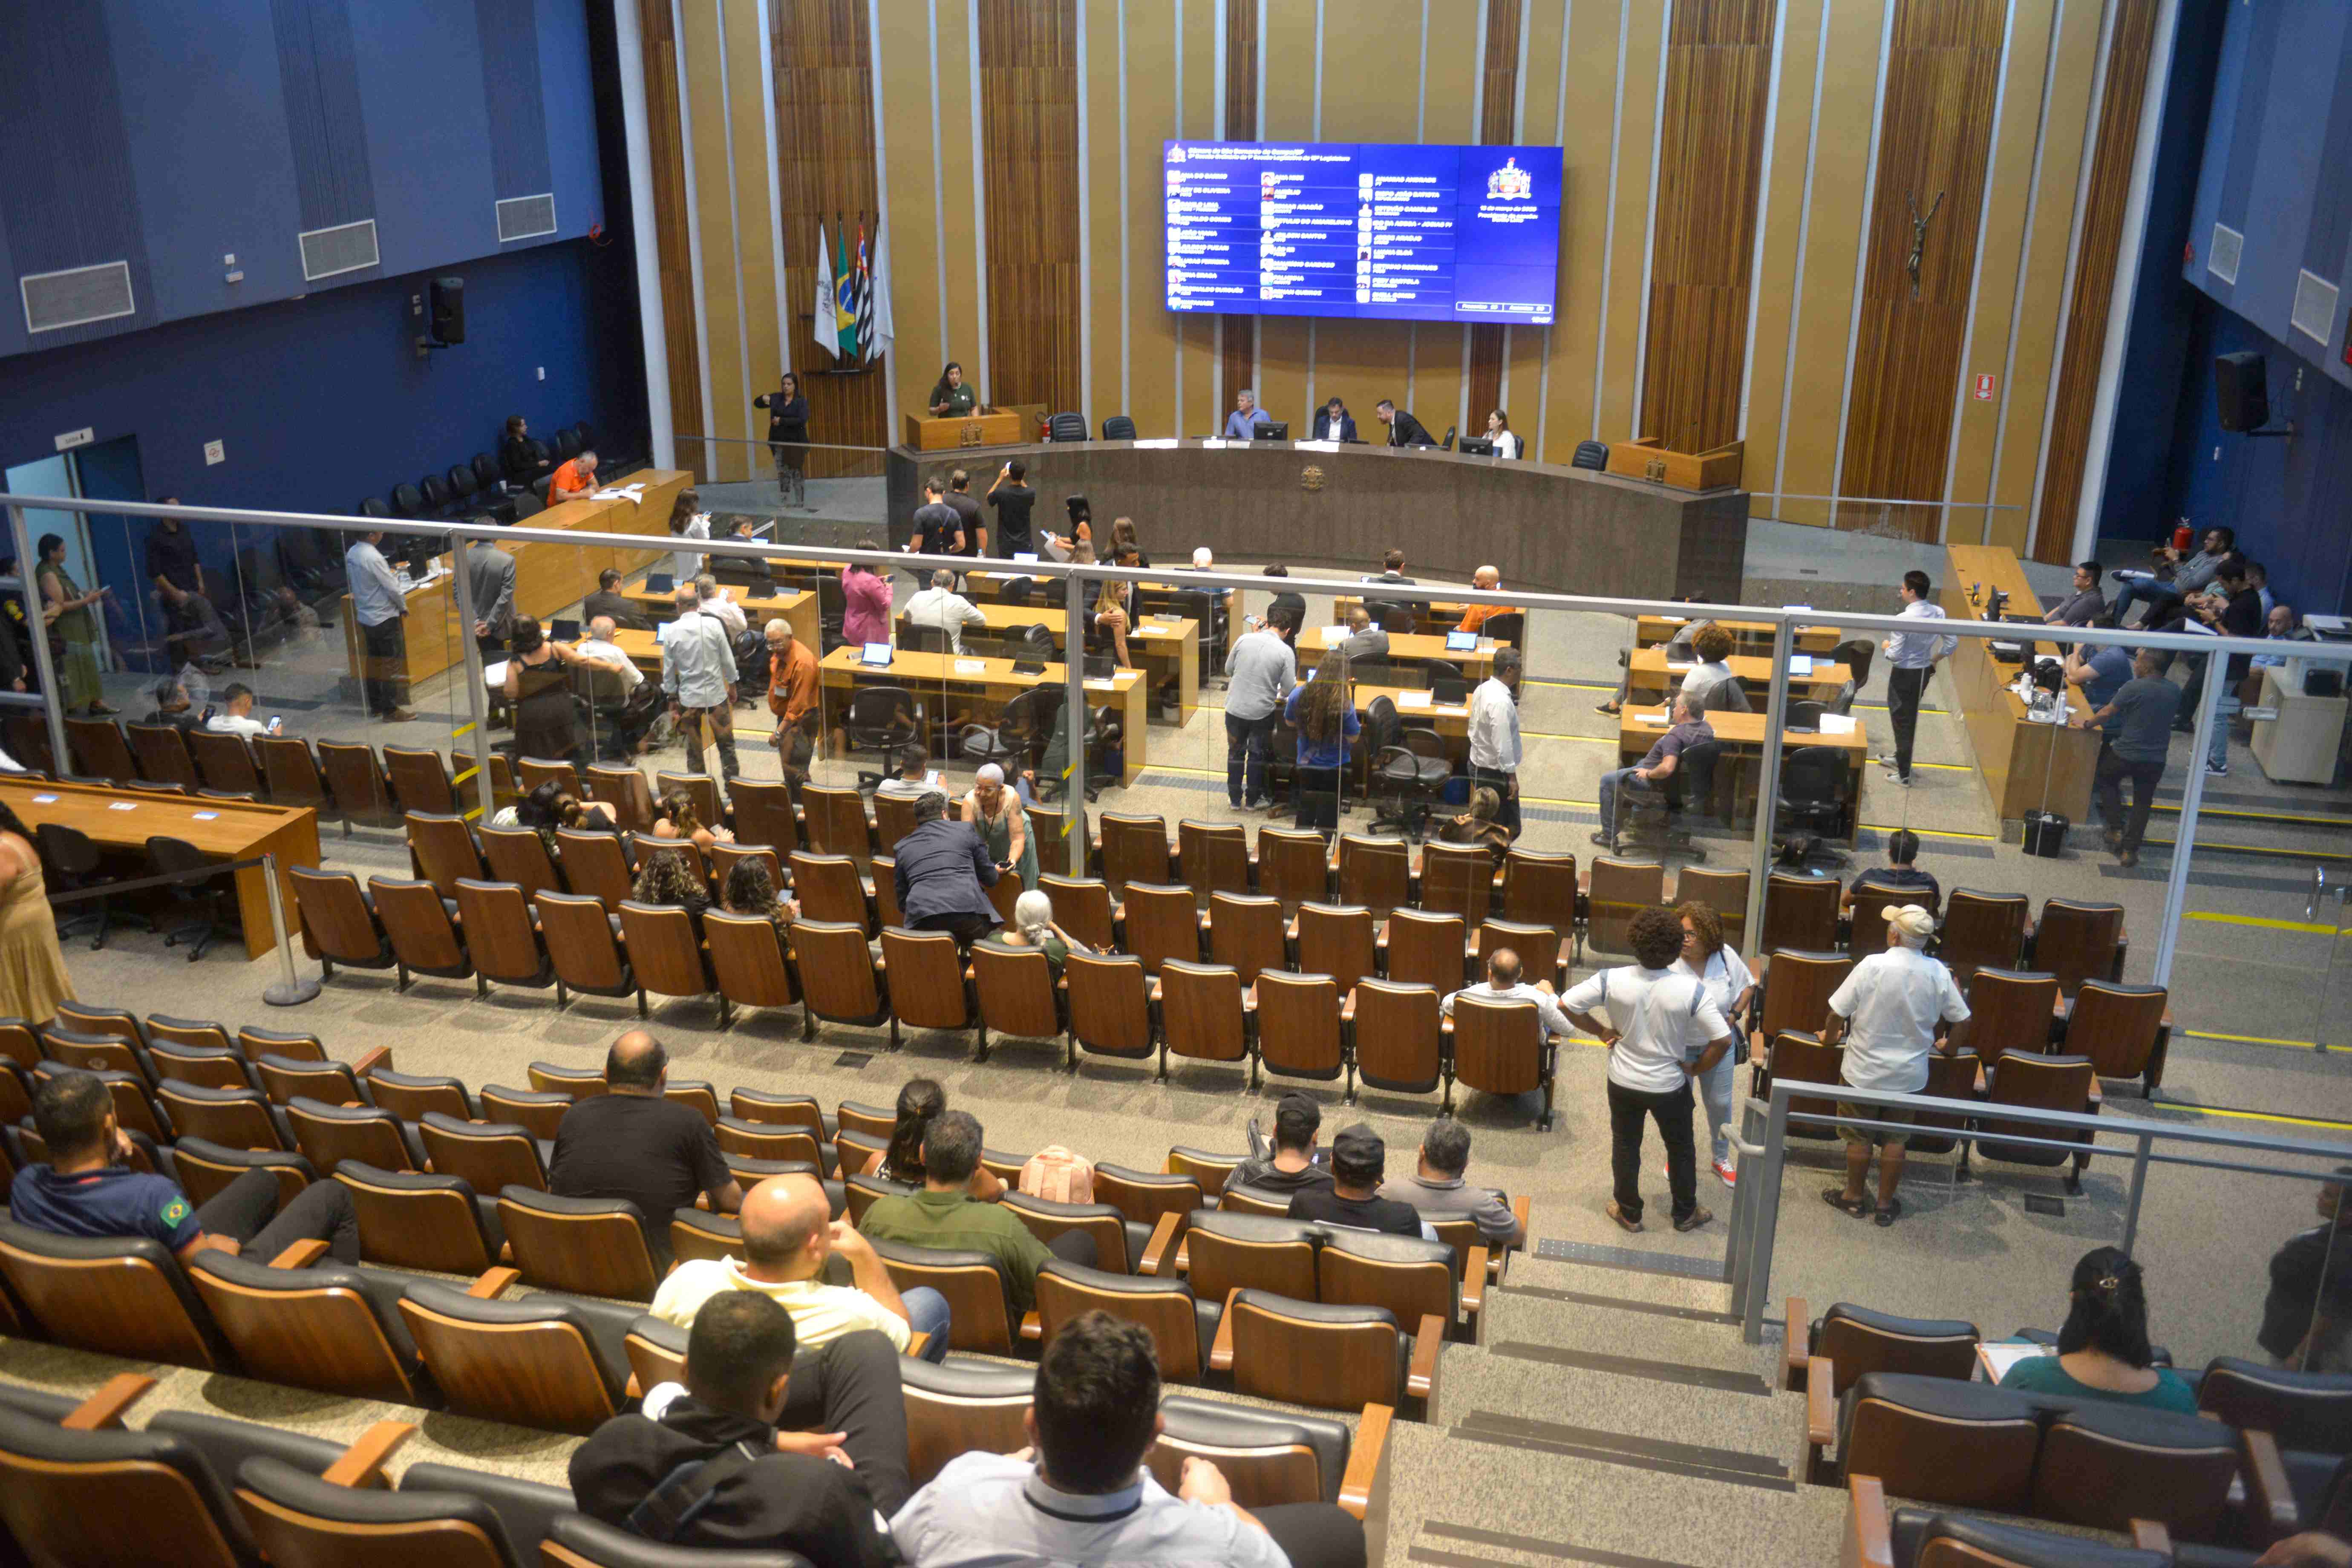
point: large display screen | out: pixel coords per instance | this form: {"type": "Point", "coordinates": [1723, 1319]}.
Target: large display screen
{"type": "Point", "coordinates": [1374, 230]}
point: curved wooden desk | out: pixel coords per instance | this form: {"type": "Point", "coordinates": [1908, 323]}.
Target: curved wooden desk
{"type": "Point", "coordinates": [1556, 529]}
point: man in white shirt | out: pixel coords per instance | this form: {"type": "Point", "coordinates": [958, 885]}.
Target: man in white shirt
{"type": "Point", "coordinates": [235, 717]}
{"type": "Point", "coordinates": [1914, 657]}
{"type": "Point", "coordinates": [1494, 736]}
{"type": "Point", "coordinates": [788, 1232]}
{"type": "Point", "coordinates": [1080, 1491]}
{"type": "Point", "coordinates": [378, 603]}
{"type": "Point", "coordinates": [1892, 1009]}
{"type": "Point", "coordinates": [720, 602]}
{"type": "Point", "coordinates": [1505, 983]}
{"type": "Point", "coordinates": [941, 606]}
{"type": "Point", "coordinates": [1663, 1031]}
{"type": "Point", "coordinates": [601, 650]}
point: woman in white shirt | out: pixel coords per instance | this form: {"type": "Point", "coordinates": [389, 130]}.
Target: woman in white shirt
{"type": "Point", "coordinates": [688, 521]}
{"type": "Point", "coordinates": [1717, 965]}
{"type": "Point", "coordinates": [1498, 431]}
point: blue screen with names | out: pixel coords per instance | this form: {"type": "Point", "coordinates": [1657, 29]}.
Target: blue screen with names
{"type": "Point", "coordinates": [1395, 231]}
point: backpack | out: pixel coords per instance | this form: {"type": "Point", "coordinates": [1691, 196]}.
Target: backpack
{"type": "Point", "coordinates": [1060, 1177]}
{"type": "Point", "coordinates": [672, 1506]}
{"type": "Point", "coordinates": [752, 662]}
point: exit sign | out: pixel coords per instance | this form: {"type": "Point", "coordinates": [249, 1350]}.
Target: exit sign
{"type": "Point", "coordinates": [1984, 388]}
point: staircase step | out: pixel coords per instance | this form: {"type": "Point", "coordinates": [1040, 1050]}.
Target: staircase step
{"type": "Point", "coordinates": [1542, 1275]}
{"type": "Point", "coordinates": [1606, 1410]}
{"type": "Point", "coordinates": [1664, 1341]}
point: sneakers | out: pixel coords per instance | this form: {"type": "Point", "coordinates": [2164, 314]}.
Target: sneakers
{"type": "Point", "coordinates": [1726, 1175]}
{"type": "Point", "coordinates": [1263, 803]}
{"type": "Point", "coordinates": [2213, 771]}
{"type": "Point", "coordinates": [1895, 778]}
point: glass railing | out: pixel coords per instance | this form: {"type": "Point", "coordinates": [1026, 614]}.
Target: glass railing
{"type": "Point", "coordinates": [819, 493]}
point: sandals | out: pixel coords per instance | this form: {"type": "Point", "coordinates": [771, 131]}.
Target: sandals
{"type": "Point", "coordinates": [1613, 1212]}
{"type": "Point", "coordinates": [1835, 1197]}
{"type": "Point", "coordinates": [1891, 1212]}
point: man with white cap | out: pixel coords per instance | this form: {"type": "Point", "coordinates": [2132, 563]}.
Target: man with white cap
{"type": "Point", "coordinates": [1892, 1009]}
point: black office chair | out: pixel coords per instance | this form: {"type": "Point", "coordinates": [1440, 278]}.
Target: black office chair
{"type": "Point", "coordinates": [584, 435]}
{"type": "Point", "coordinates": [1510, 628]}
{"type": "Point", "coordinates": [1806, 716]}
{"type": "Point", "coordinates": [1589, 455]}
{"type": "Point", "coordinates": [1812, 792]}
{"type": "Point", "coordinates": [1691, 784]}
{"type": "Point", "coordinates": [1015, 591]}
{"type": "Point", "coordinates": [567, 446]}
{"type": "Point", "coordinates": [407, 501]}
{"type": "Point", "coordinates": [1394, 619]}
{"type": "Point", "coordinates": [1856, 655]}
{"type": "Point", "coordinates": [73, 861]}
{"type": "Point", "coordinates": [1118, 427]}
{"type": "Point", "coordinates": [832, 604]}
{"type": "Point", "coordinates": [373, 506]}
{"type": "Point", "coordinates": [1447, 445]}
{"type": "Point", "coordinates": [1022, 728]}
{"type": "Point", "coordinates": [913, 638]}
{"type": "Point", "coordinates": [1434, 670]}
{"type": "Point", "coordinates": [1067, 428]}
{"type": "Point", "coordinates": [880, 719]}
{"type": "Point", "coordinates": [168, 857]}
{"type": "Point", "coordinates": [1409, 766]}
{"type": "Point", "coordinates": [435, 489]}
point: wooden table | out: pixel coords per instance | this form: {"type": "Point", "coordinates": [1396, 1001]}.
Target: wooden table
{"type": "Point", "coordinates": [984, 586]}
{"type": "Point", "coordinates": [1405, 647]}
{"type": "Point", "coordinates": [1168, 649]}
{"type": "Point", "coordinates": [797, 606]}
{"type": "Point", "coordinates": [1756, 636]}
{"type": "Point", "coordinates": [1451, 722]}
{"type": "Point", "coordinates": [993, 681]}
{"type": "Point", "coordinates": [1432, 618]}
{"type": "Point", "coordinates": [1742, 735]}
{"type": "Point", "coordinates": [2025, 765]}
{"type": "Point", "coordinates": [1651, 671]}
{"type": "Point", "coordinates": [223, 830]}
{"type": "Point", "coordinates": [549, 578]}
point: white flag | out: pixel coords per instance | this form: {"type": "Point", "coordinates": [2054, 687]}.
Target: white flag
{"type": "Point", "coordinates": [878, 342]}
{"type": "Point", "coordinates": [825, 327]}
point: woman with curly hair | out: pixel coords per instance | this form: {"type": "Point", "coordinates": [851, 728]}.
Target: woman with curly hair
{"type": "Point", "coordinates": [1326, 721]}
{"type": "Point", "coordinates": [666, 876]}
{"type": "Point", "coordinates": [674, 817]}
{"type": "Point", "coordinates": [1715, 964]}
{"type": "Point", "coordinates": [752, 891]}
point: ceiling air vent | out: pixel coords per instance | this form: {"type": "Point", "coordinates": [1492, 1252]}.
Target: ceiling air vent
{"type": "Point", "coordinates": [346, 248]}
{"type": "Point", "coordinates": [2222, 256]}
{"type": "Point", "coordinates": [76, 297]}
{"type": "Point", "coordinates": [526, 217]}
{"type": "Point", "coordinates": [2314, 306]}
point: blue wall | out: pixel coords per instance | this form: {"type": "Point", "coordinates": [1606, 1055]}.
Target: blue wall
{"type": "Point", "coordinates": [169, 133]}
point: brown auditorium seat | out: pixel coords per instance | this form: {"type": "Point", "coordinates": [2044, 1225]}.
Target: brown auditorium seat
{"type": "Point", "coordinates": [2009, 1010]}
{"type": "Point", "coordinates": [1856, 1341]}
{"type": "Point", "coordinates": [1799, 1055]}
{"type": "Point", "coordinates": [1399, 1039]}
{"type": "Point", "coordinates": [2105, 1465]}
{"type": "Point", "coordinates": [2124, 1029]}
{"type": "Point", "coordinates": [2044, 1083]}
{"type": "Point", "coordinates": [595, 865]}
{"type": "Point", "coordinates": [747, 961]}
{"type": "Point", "coordinates": [874, 1121]}
{"type": "Point", "coordinates": [858, 1151]}
{"type": "Point", "coordinates": [588, 1247]}
{"type": "Point", "coordinates": [574, 1083]}
{"type": "Point", "coordinates": [1330, 1357]}
{"type": "Point", "coordinates": [1215, 857]}
{"type": "Point", "coordinates": [227, 763]}
{"type": "Point", "coordinates": [207, 1067]}
{"type": "Point", "coordinates": [836, 821]}
{"type": "Point", "coordinates": [206, 1168]}
{"type": "Point", "coordinates": [768, 1141]}
{"type": "Point", "coordinates": [581, 946]}
{"type": "Point", "coordinates": [1500, 1047]}
{"type": "Point", "coordinates": [1017, 995]}
{"type": "Point", "coordinates": [1118, 1241]}
{"type": "Point", "coordinates": [1049, 829]}
{"type": "Point", "coordinates": [20, 1043]}
{"type": "Point", "coordinates": [885, 895]}
{"type": "Point", "coordinates": [839, 980]}
{"type": "Point", "coordinates": [1148, 1197]}
{"type": "Point", "coordinates": [490, 1157]}
{"type": "Point", "coordinates": [519, 855]}
{"type": "Point", "coordinates": [894, 818]}
{"type": "Point", "coordinates": [962, 1407]}
{"type": "Point", "coordinates": [234, 1118]}
{"type": "Point", "coordinates": [1929, 1538]}
{"type": "Point", "coordinates": [624, 788]}
{"type": "Point", "coordinates": [1183, 1327]}
{"type": "Point", "coordinates": [501, 935]}
{"type": "Point", "coordinates": [779, 1110]}
{"type": "Point", "coordinates": [764, 814]}
{"type": "Point", "coordinates": [336, 1083]}
{"type": "Point", "coordinates": [1543, 952]}
{"type": "Point", "coordinates": [2078, 941]}
{"type": "Point", "coordinates": [927, 989]}
{"type": "Point", "coordinates": [107, 1052]}
{"type": "Point", "coordinates": [1298, 1033]}
{"type": "Point", "coordinates": [162, 756]}
{"type": "Point", "coordinates": [1374, 872]}
{"type": "Point", "coordinates": [329, 1134]}
{"type": "Point", "coordinates": [1083, 907]}
{"type": "Point", "coordinates": [338, 927]}
{"type": "Point", "coordinates": [316, 1325]}
{"type": "Point", "coordinates": [411, 1220]}
{"type": "Point", "coordinates": [292, 772]}
{"type": "Point", "coordinates": [1133, 849]}
{"type": "Point", "coordinates": [1936, 1439]}
{"type": "Point", "coordinates": [1210, 1169]}
{"type": "Point", "coordinates": [1613, 891]}
{"type": "Point", "coordinates": [361, 790]}
{"type": "Point", "coordinates": [292, 1045]}
{"type": "Point", "coordinates": [1227, 1252]}
{"type": "Point", "coordinates": [536, 1112]}
{"type": "Point", "coordinates": [1205, 1014]}
{"type": "Point", "coordinates": [1293, 864]}
{"type": "Point", "coordinates": [302, 1521]}
{"type": "Point", "coordinates": [2308, 1411]}
{"type": "Point", "coordinates": [1337, 940]}
{"type": "Point", "coordinates": [420, 776]}
{"type": "Point", "coordinates": [863, 1192]}
{"type": "Point", "coordinates": [1270, 1457]}
{"type": "Point", "coordinates": [1724, 892]}
{"type": "Point", "coordinates": [532, 772]}
{"type": "Point", "coordinates": [541, 1361]}
{"type": "Point", "coordinates": [443, 850]}
{"type": "Point", "coordinates": [828, 889]}
{"type": "Point", "coordinates": [644, 847]}
{"type": "Point", "coordinates": [1111, 1010]}
{"type": "Point", "coordinates": [1952, 1076]}
{"type": "Point", "coordinates": [196, 1034]}
{"type": "Point", "coordinates": [980, 1314]}
{"type": "Point", "coordinates": [1981, 931]}
{"type": "Point", "coordinates": [1540, 889]}
{"type": "Point", "coordinates": [99, 751]}
{"type": "Point", "coordinates": [699, 1235]}
{"type": "Point", "coordinates": [1162, 923]}
{"type": "Point", "coordinates": [724, 857]}
{"type": "Point", "coordinates": [1426, 950]}
{"type": "Point", "coordinates": [1416, 1279]}
{"type": "Point", "coordinates": [1245, 930]}
{"type": "Point", "coordinates": [1866, 918]}
{"type": "Point", "coordinates": [1801, 912]}
{"type": "Point", "coordinates": [665, 952]}
{"type": "Point", "coordinates": [1457, 878]}
{"type": "Point", "coordinates": [1796, 991]}
{"type": "Point", "coordinates": [424, 939]}
{"type": "Point", "coordinates": [1239, 1199]}
{"type": "Point", "coordinates": [121, 1296]}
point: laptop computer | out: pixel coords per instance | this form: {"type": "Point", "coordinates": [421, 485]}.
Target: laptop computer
{"type": "Point", "coordinates": [660, 583]}
{"type": "Point", "coordinates": [563, 631]}
{"type": "Point", "coordinates": [1461, 642]}
{"type": "Point", "coordinates": [1447, 693]}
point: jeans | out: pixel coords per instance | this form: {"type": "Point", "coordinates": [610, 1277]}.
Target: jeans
{"type": "Point", "coordinates": [1714, 1093]}
{"type": "Point", "coordinates": [927, 1313]}
{"type": "Point", "coordinates": [1672, 1111]}
{"type": "Point", "coordinates": [2218, 753]}
{"type": "Point", "coordinates": [1611, 783]}
{"type": "Point", "coordinates": [246, 1211]}
{"type": "Point", "coordinates": [720, 724]}
{"type": "Point", "coordinates": [2154, 594]}
{"type": "Point", "coordinates": [1500, 782]}
{"type": "Point", "coordinates": [2113, 770]}
{"type": "Point", "coordinates": [1904, 689]}
{"type": "Point", "coordinates": [1250, 742]}
{"type": "Point", "coordinates": [850, 1385]}
{"type": "Point", "coordinates": [387, 650]}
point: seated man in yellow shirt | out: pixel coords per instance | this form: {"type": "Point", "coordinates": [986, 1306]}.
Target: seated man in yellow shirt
{"type": "Point", "coordinates": [788, 1233]}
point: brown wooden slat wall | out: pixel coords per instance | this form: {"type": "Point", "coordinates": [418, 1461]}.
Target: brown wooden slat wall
{"type": "Point", "coordinates": [822, 61]}
{"type": "Point", "coordinates": [2095, 279]}
{"type": "Point", "coordinates": [1942, 70]}
{"type": "Point", "coordinates": [1498, 96]}
{"type": "Point", "coordinates": [1710, 167]}
{"type": "Point", "coordinates": [1029, 110]}
{"type": "Point", "coordinates": [666, 134]}
{"type": "Point", "coordinates": [1239, 360]}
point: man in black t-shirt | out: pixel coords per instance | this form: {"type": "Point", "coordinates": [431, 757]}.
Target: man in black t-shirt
{"type": "Point", "coordinates": [1013, 500]}
{"type": "Point", "coordinates": [630, 1142]}
{"type": "Point", "coordinates": [1292, 1168]}
{"type": "Point", "coordinates": [1359, 1159]}
{"type": "Point", "coordinates": [968, 515]}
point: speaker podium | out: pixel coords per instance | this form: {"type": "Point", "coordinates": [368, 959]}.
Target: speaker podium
{"type": "Point", "coordinates": [1648, 458]}
{"type": "Point", "coordinates": [981, 428]}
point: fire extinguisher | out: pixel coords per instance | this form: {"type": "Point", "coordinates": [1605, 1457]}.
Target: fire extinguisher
{"type": "Point", "coordinates": [2181, 535]}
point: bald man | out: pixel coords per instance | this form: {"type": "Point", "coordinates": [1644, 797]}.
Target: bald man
{"type": "Point", "coordinates": [1487, 580]}
{"type": "Point", "coordinates": [630, 1142]}
{"type": "Point", "coordinates": [789, 1234]}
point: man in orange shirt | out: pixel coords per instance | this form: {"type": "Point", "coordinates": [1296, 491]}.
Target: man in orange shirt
{"type": "Point", "coordinates": [1485, 580]}
{"type": "Point", "coordinates": [576, 477]}
{"type": "Point", "coordinates": [792, 676]}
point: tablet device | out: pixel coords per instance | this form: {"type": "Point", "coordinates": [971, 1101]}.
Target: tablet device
{"type": "Point", "coordinates": [1449, 694]}
{"type": "Point", "coordinates": [659, 583]}
{"type": "Point", "coordinates": [1462, 642]}
{"type": "Point", "coordinates": [563, 631]}
{"type": "Point", "coordinates": [875, 655]}
{"type": "Point", "coordinates": [1028, 667]}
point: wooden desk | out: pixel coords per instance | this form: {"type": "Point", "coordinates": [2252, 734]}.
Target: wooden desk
{"type": "Point", "coordinates": [1651, 672]}
{"type": "Point", "coordinates": [1431, 618]}
{"type": "Point", "coordinates": [993, 681]}
{"type": "Point", "coordinates": [1752, 637]}
{"type": "Point", "coordinates": [986, 586]}
{"type": "Point", "coordinates": [1170, 650]}
{"type": "Point", "coordinates": [797, 606]}
{"type": "Point", "coordinates": [1405, 647]}
{"type": "Point", "coordinates": [224, 829]}
{"type": "Point", "coordinates": [2025, 766]}
{"type": "Point", "coordinates": [1451, 722]}
{"type": "Point", "coordinates": [549, 578]}
{"type": "Point", "coordinates": [1742, 734]}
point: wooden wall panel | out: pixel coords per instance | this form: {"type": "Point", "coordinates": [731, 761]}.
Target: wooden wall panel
{"type": "Point", "coordinates": [1237, 341]}
{"type": "Point", "coordinates": [1451, 97]}
{"type": "Point", "coordinates": [1526, 357]}
{"type": "Point", "coordinates": [1029, 99]}
{"type": "Point", "coordinates": [1100, 172]}
{"type": "Point", "coordinates": [728, 417]}
{"type": "Point", "coordinates": [755, 247]}
{"type": "Point", "coordinates": [1152, 119]}
{"type": "Point", "coordinates": [1197, 412]}
{"type": "Point", "coordinates": [1280, 373]}
{"type": "Point", "coordinates": [666, 134]}
{"type": "Point", "coordinates": [960, 132]}
{"type": "Point", "coordinates": [1497, 97]}
{"type": "Point", "coordinates": [2095, 278]}
{"type": "Point", "coordinates": [1718, 75]}
{"type": "Point", "coordinates": [901, 74]}
{"type": "Point", "coordinates": [822, 58]}
{"type": "Point", "coordinates": [1589, 89]}
{"type": "Point", "coordinates": [1644, 58]}
{"type": "Point", "coordinates": [1777, 306]}
{"type": "Point", "coordinates": [1943, 70]}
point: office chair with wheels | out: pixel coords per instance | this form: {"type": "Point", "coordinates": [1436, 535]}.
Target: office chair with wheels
{"type": "Point", "coordinates": [1812, 793]}
{"type": "Point", "coordinates": [880, 719]}
{"type": "Point", "coordinates": [435, 490]}
{"type": "Point", "coordinates": [1021, 730]}
{"type": "Point", "coordinates": [1589, 455]}
{"type": "Point", "coordinates": [1509, 628]}
{"type": "Point", "coordinates": [1690, 785]}
{"type": "Point", "coordinates": [373, 506]}
{"type": "Point", "coordinates": [1067, 428]}
{"type": "Point", "coordinates": [1856, 655]}
{"type": "Point", "coordinates": [567, 446]}
{"type": "Point", "coordinates": [172, 857]}
{"type": "Point", "coordinates": [1409, 766]}
{"type": "Point", "coordinates": [1118, 427]}
{"type": "Point", "coordinates": [585, 434]}
{"type": "Point", "coordinates": [74, 859]}
{"type": "Point", "coordinates": [1806, 716]}
{"type": "Point", "coordinates": [407, 501]}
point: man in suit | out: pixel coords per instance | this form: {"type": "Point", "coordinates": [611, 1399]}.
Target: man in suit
{"type": "Point", "coordinates": [606, 601]}
{"type": "Point", "coordinates": [1405, 430]}
{"type": "Point", "coordinates": [944, 873]}
{"type": "Point", "coordinates": [1365, 639]}
{"type": "Point", "coordinates": [490, 580]}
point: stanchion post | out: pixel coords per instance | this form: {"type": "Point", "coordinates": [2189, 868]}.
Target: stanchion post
{"type": "Point", "coordinates": [292, 990]}
{"type": "Point", "coordinates": [1074, 676]}
{"type": "Point", "coordinates": [477, 700]}
{"type": "Point", "coordinates": [52, 704]}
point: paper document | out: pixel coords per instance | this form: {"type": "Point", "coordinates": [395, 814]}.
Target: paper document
{"type": "Point", "coordinates": [1157, 442]}
{"type": "Point", "coordinates": [1412, 700]}
{"type": "Point", "coordinates": [1216, 444]}
{"type": "Point", "coordinates": [1994, 1361]}
{"type": "Point", "coordinates": [45, 800]}
{"type": "Point", "coordinates": [495, 674]}
{"type": "Point", "coordinates": [1800, 664]}
{"type": "Point", "coordinates": [1836, 724]}
{"type": "Point", "coordinates": [971, 666]}
{"type": "Point", "coordinates": [1655, 720]}
{"type": "Point", "coordinates": [123, 805]}
{"type": "Point", "coordinates": [1675, 620]}
{"type": "Point", "coordinates": [1100, 685]}
{"type": "Point", "coordinates": [1334, 635]}
{"type": "Point", "coordinates": [1674, 668]}
{"type": "Point", "coordinates": [1316, 446]}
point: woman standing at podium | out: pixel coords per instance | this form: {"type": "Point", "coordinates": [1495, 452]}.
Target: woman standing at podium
{"type": "Point", "coordinates": [952, 399]}
{"type": "Point", "coordinates": [788, 422]}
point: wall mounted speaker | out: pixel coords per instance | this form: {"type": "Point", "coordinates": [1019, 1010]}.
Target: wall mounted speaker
{"type": "Point", "coordinates": [449, 310]}
{"type": "Point", "coordinates": [2242, 385]}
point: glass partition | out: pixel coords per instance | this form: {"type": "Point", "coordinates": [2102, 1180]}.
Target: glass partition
{"type": "Point", "coordinates": [815, 494]}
